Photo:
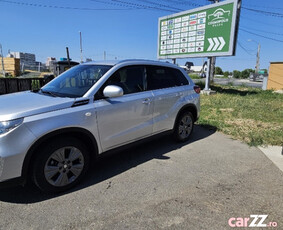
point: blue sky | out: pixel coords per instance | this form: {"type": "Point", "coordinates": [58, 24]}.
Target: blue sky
{"type": "Point", "coordinates": [127, 29]}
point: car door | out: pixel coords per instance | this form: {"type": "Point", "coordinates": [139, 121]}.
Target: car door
{"type": "Point", "coordinates": [168, 91]}
{"type": "Point", "coordinates": [124, 119]}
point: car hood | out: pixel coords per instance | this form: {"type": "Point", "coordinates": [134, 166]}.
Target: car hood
{"type": "Point", "coordinates": [23, 104]}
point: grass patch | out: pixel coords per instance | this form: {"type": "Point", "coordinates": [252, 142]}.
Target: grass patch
{"type": "Point", "coordinates": [247, 114]}
{"type": "Point", "coordinates": [194, 76]}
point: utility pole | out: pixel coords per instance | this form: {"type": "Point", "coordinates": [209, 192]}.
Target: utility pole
{"type": "Point", "coordinates": [81, 46]}
{"type": "Point", "coordinates": [68, 57]}
{"type": "Point", "coordinates": [104, 55]}
{"type": "Point", "coordinates": [257, 59]}
{"type": "Point", "coordinates": [3, 69]}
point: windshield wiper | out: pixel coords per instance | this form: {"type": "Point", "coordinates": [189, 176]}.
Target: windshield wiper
{"type": "Point", "coordinates": [49, 93]}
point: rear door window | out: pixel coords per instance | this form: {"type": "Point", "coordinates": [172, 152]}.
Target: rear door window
{"type": "Point", "coordinates": [159, 77]}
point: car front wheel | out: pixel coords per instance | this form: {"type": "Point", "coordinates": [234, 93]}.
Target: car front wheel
{"type": "Point", "coordinates": [184, 127]}
{"type": "Point", "coordinates": [60, 165]}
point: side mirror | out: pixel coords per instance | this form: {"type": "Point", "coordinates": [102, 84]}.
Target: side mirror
{"type": "Point", "coordinates": [113, 91]}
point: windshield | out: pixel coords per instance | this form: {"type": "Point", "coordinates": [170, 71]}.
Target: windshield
{"type": "Point", "coordinates": [76, 81]}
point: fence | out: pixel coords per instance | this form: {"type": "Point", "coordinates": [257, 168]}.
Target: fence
{"type": "Point", "coordinates": [12, 85]}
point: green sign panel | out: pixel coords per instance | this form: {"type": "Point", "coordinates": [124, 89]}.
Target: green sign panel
{"type": "Point", "coordinates": [203, 32]}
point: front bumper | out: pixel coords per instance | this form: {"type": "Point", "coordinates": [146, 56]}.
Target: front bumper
{"type": "Point", "coordinates": [13, 148]}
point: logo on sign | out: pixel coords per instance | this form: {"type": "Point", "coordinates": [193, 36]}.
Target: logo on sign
{"type": "Point", "coordinates": [202, 15]}
{"type": "Point", "coordinates": [170, 25]}
{"type": "Point", "coordinates": [200, 32]}
{"type": "Point", "coordinates": [201, 21]}
{"type": "Point", "coordinates": [219, 17]}
{"type": "Point", "coordinates": [199, 49]}
{"type": "Point", "coordinates": [194, 16]}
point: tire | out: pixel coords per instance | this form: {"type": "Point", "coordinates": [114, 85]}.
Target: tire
{"type": "Point", "coordinates": [60, 165]}
{"type": "Point", "coordinates": [184, 126]}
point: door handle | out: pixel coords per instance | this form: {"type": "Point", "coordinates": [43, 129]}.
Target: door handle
{"type": "Point", "coordinates": [146, 101]}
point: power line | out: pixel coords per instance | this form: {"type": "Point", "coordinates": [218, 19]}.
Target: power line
{"type": "Point", "coordinates": [137, 5]}
{"type": "Point", "coordinates": [244, 48]}
{"type": "Point", "coordinates": [264, 7]}
{"type": "Point", "coordinates": [145, 6]}
{"type": "Point", "coordinates": [161, 5]}
{"type": "Point", "coordinates": [116, 4]}
{"type": "Point", "coordinates": [260, 22]}
{"type": "Point", "coordinates": [183, 3]}
{"type": "Point", "coordinates": [62, 7]}
{"type": "Point", "coordinates": [273, 39]}
{"type": "Point", "coordinates": [263, 31]}
{"type": "Point", "coordinates": [267, 13]}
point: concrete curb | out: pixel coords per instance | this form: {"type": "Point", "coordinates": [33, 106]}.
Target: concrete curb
{"type": "Point", "coordinates": [275, 154]}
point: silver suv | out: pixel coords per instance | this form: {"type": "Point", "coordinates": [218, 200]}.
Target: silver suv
{"type": "Point", "coordinates": [52, 135]}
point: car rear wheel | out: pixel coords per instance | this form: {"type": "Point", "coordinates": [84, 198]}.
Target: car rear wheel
{"type": "Point", "coordinates": [184, 127]}
{"type": "Point", "coordinates": [61, 165]}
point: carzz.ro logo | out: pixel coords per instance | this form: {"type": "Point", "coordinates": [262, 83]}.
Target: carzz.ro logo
{"type": "Point", "coordinates": [254, 221]}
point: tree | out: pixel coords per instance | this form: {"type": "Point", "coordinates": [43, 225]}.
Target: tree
{"type": "Point", "coordinates": [246, 73]}
{"type": "Point", "coordinates": [236, 74]}
{"type": "Point", "coordinates": [226, 73]}
{"type": "Point", "coordinates": [218, 71]}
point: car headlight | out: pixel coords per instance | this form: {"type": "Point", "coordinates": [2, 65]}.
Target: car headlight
{"type": "Point", "coordinates": [6, 126]}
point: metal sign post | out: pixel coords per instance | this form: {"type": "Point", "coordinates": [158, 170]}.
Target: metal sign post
{"type": "Point", "coordinates": [212, 59]}
{"type": "Point", "coordinates": [207, 79]}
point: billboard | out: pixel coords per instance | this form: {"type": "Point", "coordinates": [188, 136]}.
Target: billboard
{"type": "Point", "coordinates": [202, 32]}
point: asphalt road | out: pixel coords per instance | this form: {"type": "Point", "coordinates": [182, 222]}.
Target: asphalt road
{"type": "Point", "coordinates": [158, 185]}
{"type": "Point", "coordinates": [235, 82]}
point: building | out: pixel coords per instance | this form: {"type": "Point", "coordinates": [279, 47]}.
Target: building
{"type": "Point", "coordinates": [27, 60]}
{"type": "Point", "coordinates": [50, 61]}
{"type": "Point", "coordinates": [275, 77]}
{"type": "Point", "coordinates": [11, 66]}
{"type": "Point", "coordinates": [189, 67]}
{"type": "Point", "coordinates": [51, 64]}
{"type": "Point", "coordinates": [62, 66]}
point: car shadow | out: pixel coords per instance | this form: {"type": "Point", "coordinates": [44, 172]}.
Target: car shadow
{"type": "Point", "coordinates": [109, 166]}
